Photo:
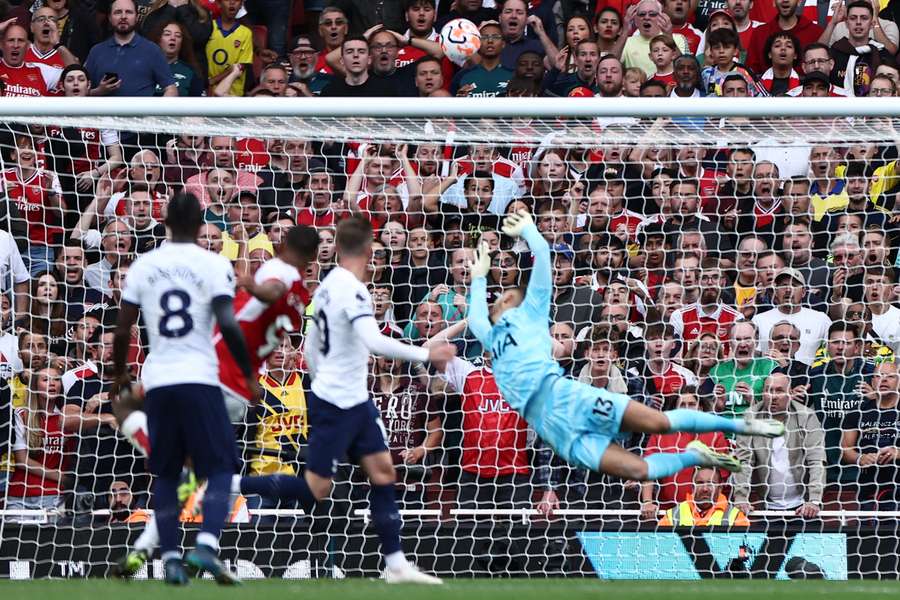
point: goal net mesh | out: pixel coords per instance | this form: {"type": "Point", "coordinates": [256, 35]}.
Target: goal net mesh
{"type": "Point", "coordinates": [735, 266]}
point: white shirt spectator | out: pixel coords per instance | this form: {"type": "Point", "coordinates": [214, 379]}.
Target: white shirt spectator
{"type": "Point", "coordinates": [887, 327]}
{"type": "Point", "coordinates": [813, 326]}
{"type": "Point", "coordinates": [784, 491]}
{"type": "Point", "coordinates": [791, 158]}
{"type": "Point", "coordinates": [11, 263]}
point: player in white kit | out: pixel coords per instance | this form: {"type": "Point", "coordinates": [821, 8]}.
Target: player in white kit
{"type": "Point", "coordinates": [182, 291]}
{"type": "Point", "coordinates": [343, 420]}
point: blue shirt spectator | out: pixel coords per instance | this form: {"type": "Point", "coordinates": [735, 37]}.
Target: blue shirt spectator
{"type": "Point", "coordinates": [127, 64]}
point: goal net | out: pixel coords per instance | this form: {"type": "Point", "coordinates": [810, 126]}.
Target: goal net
{"type": "Point", "coordinates": [737, 265]}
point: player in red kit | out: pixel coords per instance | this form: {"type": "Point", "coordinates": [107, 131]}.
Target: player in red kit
{"type": "Point", "coordinates": [271, 303]}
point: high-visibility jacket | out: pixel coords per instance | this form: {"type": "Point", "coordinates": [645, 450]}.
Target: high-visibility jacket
{"type": "Point", "coordinates": [238, 514]}
{"type": "Point", "coordinates": [720, 513]}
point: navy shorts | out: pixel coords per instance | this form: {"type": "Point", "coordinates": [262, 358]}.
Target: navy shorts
{"type": "Point", "coordinates": [189, 420]}
{"type": "Point", "coordinates": [338, 432]}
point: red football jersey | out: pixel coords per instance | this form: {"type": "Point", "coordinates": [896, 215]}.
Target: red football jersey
{"type": "Point", "coordinates": [675, 488]}
{"type": "Point", "coordinates": [50, 64]}
{"type": "Point", "coordinates": [263, 325]}
{"type": "Point", "coordinates": [92, 142]}
{"type": "Point", "coordinates": [251, 154]}
{"type": "Point", "coordinates": [494, 435]}
{"type": "Point", "coordinates": [31, 197]}
{"type": "Point", "coordinates": [689, 322]}
{"type": "Point", "coordinates": [673, 379]}
{"type": "Point", "coordinates": [631, 221]}
{"type": "Point", "coordinates": [52, 455]}
{"type": "Point", "coordinates": [24, 81]}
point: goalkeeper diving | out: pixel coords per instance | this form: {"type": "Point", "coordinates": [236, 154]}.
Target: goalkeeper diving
{"type": "Point", "coordinates": [577, 420]}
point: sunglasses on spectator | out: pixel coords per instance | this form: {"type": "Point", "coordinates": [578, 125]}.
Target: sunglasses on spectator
{"type": "Point", "coordinates": [785, 338]}
{"type": "Point", "coordinates": [646, 14]}
{"type": "Point", "coordinates": [379, 254]}
{"type": "Point", "coordinates": [506, 262]}
{"type": "Point", "coordinates": [45, 19]}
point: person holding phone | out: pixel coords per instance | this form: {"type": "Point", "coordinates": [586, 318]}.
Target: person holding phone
{"type": "Point", "coordinates": [128, 64]}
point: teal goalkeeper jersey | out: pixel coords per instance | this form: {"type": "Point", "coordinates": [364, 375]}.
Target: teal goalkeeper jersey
{"type": "Point", "coordinates": [520, 343]}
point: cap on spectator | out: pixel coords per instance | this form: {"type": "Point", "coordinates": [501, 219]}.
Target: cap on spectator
{"type": "Point", "coordinates": [484, 24]}
{"type": "Point", "coordinates": [564, 249]}
{"type": "Point", "coordinates": [302, 42]}
{"type": "Point", "coordinates": [856, 168]}
{"type": "Point", "coordinates": [792, 273]}
{"type": "Point", "coordinates": [253, 192]}
{"type": "Point", "coordinates": [315, 165]}
{"type": "Point", "coordinates": [721, 11]}
{"type": "Point", "coordinates": [815, 76]}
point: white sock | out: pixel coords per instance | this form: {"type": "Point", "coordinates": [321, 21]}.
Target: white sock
{"type": "Point", "coordinates": [235, 484]}
{"type": "Point", "coordinates": [134, 428]}
{"type": "Point", "coordinates": [207, 539]}
{"type": "Point", "coordinates": [396, 560]}
{"type": "Point", "coordinates": [149, 538]}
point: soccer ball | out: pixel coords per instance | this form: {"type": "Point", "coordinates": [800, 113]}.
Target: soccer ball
{"type": "Point", "coordinates": [460, 40]}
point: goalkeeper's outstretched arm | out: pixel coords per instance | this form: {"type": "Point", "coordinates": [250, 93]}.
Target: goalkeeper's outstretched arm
{"type": "Point", "coordinates": [540, 286]}
{"type": "Point", "coordinates": [478, 318]}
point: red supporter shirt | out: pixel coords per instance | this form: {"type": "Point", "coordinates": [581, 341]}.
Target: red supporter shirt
{"type": "Point", "coordinates": [674, 489]}
{"type": "Point", "coordinates": [632, 221]}
{"type": "Point", "coordinates": [51, 455]}
{"type": "Point", "coordinates": [494, 435]}
{"type": "Point", "coordinates": [689, 322]}
{"type": "Point", "coordinates": [117, 207]}
{"type": "Point", "coordinates": [805, 30]}
{"type": "Point", "coordinates": [673, 379]}
{"type": "Point", "coordinates": [92, 142]}
{"type": "Point", "coordinates": [691, 36]}
{"type": "Point", "coordinates": [322, 64]}
{"type": "Point", "coordinates": [306, 216]}
{"type": "Point", "coordinates": [251, 154]}
{"type": "Point", "coordinates": [24, 81]}
{"type": "Point", "coordinates": [263, 325]}
{"type": "Point", "coordinates": [50, 64]}
{"type": "Point", "coordinates": [32, 197]}
{"type": "Point", "coordinates": [764, 217]}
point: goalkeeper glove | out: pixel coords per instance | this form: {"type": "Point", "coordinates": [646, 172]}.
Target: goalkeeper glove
{"type": "Point", "coordinates": [514, 224]}
{"type": "Point", "coordinates": [482, 263]}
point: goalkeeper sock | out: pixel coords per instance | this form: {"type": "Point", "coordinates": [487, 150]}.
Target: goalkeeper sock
{"type": "Point", "coordinates": [386, 517]}
{"type": "Point", "coordinates": [215, 509]}
{"type": "Point", "coordinates": [695, 421]}
{"type": "Point", "coordinates": [165, 496]}
{"type": "Point", "coordinates": [665, 464]}
{"type": "Point", "coordinates": [149, 538]}
{"type": "Point", "coordinates": [134, 428]}
{"type": "Point", "coordinates": [280, 487]}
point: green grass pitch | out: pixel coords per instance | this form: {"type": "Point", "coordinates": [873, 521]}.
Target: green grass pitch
{"type": "Point", "coordinates": [520, 589]}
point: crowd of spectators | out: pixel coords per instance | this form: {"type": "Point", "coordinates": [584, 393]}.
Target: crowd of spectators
{"type": "Point", "coordinates": [747, 280]}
